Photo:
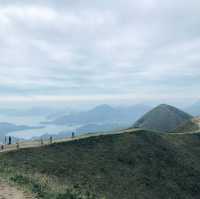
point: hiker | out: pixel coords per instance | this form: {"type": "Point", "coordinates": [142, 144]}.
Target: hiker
{"type": "Point", "coordinates": [51, 140]}
{"type": "Point", "coordinates": [17, 145]}
{"type": "Point", "coordinates": [9, 140]}
{"type": "Point", "coordinates": [73, 134]}
{"type": "Point", "coordinates": [2, 147]}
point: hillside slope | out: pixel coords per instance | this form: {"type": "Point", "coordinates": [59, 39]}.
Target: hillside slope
{"type": "Point", "coordinates": [141, 164]}
{"type": "Point", "coordinates": [164, 118]}
{"type": "Point", "coordinates": [189, 126]}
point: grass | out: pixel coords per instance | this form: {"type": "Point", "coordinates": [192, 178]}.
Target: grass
{"type": "Point", "coordinates": [133, 165]}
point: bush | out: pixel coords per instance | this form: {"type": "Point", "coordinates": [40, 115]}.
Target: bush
{"type": "Point", "coordinates": [19, 179]}
{"type": "Point", "coordinates": [68, 195]}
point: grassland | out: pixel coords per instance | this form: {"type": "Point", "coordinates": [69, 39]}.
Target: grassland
{"type": "Point", "coordinates": [132, 165]}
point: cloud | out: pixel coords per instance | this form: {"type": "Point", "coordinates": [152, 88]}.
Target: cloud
{"type": "Point", "coordinates": [98, 49]}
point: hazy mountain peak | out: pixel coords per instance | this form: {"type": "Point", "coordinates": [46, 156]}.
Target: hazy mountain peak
{"type": "Point", "coordinates": [102, 107]}
{"type": "Point", "coordinates": [163, 106]}
{"type": "Point", "coordinates": [104, 114]}
{"type": "Point", "coordinates": [166, 106]}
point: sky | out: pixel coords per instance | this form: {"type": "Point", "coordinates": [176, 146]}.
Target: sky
{"type": "Point", "coordinates": [55, 52]}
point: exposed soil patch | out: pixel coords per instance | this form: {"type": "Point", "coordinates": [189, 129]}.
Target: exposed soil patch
{"type": "Point", "coordinates": [9, 192]}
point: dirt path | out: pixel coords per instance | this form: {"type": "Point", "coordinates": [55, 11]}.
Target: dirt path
{"type": "Point", "coordinates": [9, 192]}
{"type": "Point", "coordinates": [37, 143]}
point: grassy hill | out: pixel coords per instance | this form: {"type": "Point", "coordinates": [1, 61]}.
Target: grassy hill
{"type": "Point", "coordinates": [132, 165]}
{"type": "Point", "coordinates": [163, 118]}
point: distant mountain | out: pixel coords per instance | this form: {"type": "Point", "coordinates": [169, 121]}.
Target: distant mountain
{"type": "Point", "coordinates": [103, 114]}
{"type": "Point", "coordinates": [194, 109]}
{"type": "Point", "coordinates": [164, 118]}
{"type": "Point", "coordinates": [92, 128]}
{"type": "Point", "coordinates": [54, 115]}
{"type": "Point", "coordinates": [85, 129]}
{"type": "Point", "coordinates": [189, 126]}
{"type": "Point", "coordinates": [34, 111]}
{"type": "Point", "coordinates": [9, 127]}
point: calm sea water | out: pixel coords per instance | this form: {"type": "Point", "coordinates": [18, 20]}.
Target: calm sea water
{"type": "Point", "coordinates": [35, 121]}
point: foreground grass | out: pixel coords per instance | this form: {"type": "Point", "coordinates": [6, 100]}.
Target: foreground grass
{"type": "Point", "coordinates": [140, 165]}
{"type": "Point", "coordinates": [41, 185]}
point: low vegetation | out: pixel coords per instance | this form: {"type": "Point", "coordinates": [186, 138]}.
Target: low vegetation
{"type": "Point", "coordinates": [132, 165]}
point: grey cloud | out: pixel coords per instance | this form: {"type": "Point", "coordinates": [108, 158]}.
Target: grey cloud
{"type": "Point", "coordinates": [99, 47]}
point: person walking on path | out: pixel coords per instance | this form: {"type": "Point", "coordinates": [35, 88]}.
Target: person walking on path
{"type": "Point", "coordinates": [9, 140]}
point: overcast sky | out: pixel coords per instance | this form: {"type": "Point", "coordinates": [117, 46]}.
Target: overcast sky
{"type": "Point", "coordinates": [99, 50]}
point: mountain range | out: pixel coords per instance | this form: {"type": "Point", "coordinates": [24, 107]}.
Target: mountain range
{"type": "Point", "coordinates": [160, 159]}
{"type": "Point", "coordinates": [103, 114]}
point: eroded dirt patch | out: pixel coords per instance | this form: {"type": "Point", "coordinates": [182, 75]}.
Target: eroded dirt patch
{"type": "Point", "coordinates": [9, 192]}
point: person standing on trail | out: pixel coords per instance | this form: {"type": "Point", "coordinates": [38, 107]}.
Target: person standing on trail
{"type": "Point", "coordinates": [17, 145]}
{"type": "Point", "coordinates": [51, 140]}
{"type": "Point", "coordinates": [9, 140]}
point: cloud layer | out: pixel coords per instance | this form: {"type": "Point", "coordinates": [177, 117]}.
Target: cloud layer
{"type": "Point", "coordinates": [147, 49]}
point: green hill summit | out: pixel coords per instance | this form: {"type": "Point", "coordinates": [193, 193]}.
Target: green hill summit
{"type": "Point", "coordinates": [163, 118]}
